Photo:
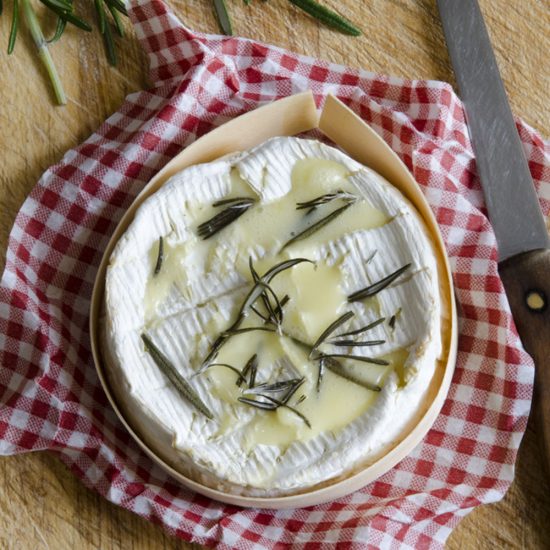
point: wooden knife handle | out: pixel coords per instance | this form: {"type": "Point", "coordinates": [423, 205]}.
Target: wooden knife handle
{"type": "Point", "coordinates": [526, 278]}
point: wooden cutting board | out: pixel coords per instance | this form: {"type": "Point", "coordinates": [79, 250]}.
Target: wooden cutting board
{"type": "Point", "coordinates": [41, 504]}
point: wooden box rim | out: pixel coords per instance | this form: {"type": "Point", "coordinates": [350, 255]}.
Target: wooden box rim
{"type": "Point", "coordinates": [287, 117]}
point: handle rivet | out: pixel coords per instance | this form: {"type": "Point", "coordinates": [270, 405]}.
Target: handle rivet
{"type": "Point", "coordinates": [535, 300]}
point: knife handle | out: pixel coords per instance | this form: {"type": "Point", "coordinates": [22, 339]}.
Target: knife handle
{"type": "Point", "coordinates": [526, 278]}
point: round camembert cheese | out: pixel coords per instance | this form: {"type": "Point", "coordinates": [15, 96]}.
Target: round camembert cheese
{"type": "Point", "coordinates": [269, 383]}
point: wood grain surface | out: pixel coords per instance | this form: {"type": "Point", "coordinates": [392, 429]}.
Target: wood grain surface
{"type": "Point", "coordinates": [41, 504]}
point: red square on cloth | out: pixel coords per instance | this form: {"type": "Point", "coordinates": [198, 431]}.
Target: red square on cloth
{"type": "Point", "coordinates": [50, 396]}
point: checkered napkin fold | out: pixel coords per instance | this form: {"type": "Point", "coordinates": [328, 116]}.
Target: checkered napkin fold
{"type": "Point", "coordinates": [50, 396]}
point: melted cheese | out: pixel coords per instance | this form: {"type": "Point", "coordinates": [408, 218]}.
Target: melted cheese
{"type": "Point", "coordinates": [199, 290]}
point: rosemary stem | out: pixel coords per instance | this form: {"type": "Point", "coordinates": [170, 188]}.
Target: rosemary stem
{"type": "Point", "coordinates": [43, 52]}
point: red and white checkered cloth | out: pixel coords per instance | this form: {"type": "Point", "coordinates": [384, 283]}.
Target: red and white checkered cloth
{"type": "Point", "coordinates": [50, 396]}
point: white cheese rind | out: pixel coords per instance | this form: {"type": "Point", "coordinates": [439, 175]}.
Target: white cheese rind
{"type": "Point", "coordinates": [210, 283]}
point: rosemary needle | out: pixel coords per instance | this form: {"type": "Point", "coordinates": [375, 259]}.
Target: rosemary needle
{"type": "Point", "coordinates": [59, 30]}
{"type": "Point", "coordinates": [14, 26]}
{"type": "Point", "coordinates": [331, 328]}
{"type": "Point", "coordinates": [362, 329]}
{"type": "Point", "coordinates": [327, 17]}
{"type": "Point", "coordinates": [380, 285]}
{"type": "Point", "coordinates": [339, 370]}
{"type": "Point", "coordinates": [223, 16]}
{"type": "Point", "coordinates": [317, 225]}
{"type": "Point", "coordinates": [160, 256]}
{"type": "Point", "coordinates": [177, 380]}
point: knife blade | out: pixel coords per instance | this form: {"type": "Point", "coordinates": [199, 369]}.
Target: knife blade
{"type": "Point", "coordinates": [512, 204]}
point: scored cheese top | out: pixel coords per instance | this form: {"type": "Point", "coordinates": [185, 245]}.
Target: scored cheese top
{"type": "Point", "coordinates": [332, 425]}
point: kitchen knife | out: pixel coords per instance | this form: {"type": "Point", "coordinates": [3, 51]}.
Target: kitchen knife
{"type": "Point", "coordinates": [514, 211]}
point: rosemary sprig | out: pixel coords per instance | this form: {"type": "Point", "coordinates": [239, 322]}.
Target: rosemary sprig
{"type": "Point", "coordinates": [64, 11]}
{"type": "Point", "coordinates": [272, 316]}
{"type": "Point", "coordinates": [249, 364]}
{"type": "Point", "coordinates": [338, 369]}
{"type": "Point", "coordinates": [324, 199]}
{"type": "Point", "coordinates": [317, 225]}
{"type": "Point", "coordinates": [59, 30]}
{"type": "Point", "coordinates": [266, 406]}
{"type": "Point", "coordinates": [327, 17]}
{"type": "Point", "coordinates": [363, 329]}
{"type": "Point", "coordinates": [114, 7]}
{"type": "Point", "coordinates": [168, 369]}
{"type": "Point", "coordinates": [321, 13]}
{"type": "Point", "coordinates": [293, 389]}
{"type": "Point", "coordinates": [212, 352]}
{"type": "Point", "coordinates": [375, 288]}
{"type": "Point", "coordinates": [235, 209]}
{"type": "Point", "coordinates": [284, 265]}
{"type": "Point", "coordinates": [275, 387]}
{"type": "Point", "coordinates": [330, 329]}
{"type": "Point", "coordinates": [355, 344]}
{"type": "Point", "coordinates": [160, 256]}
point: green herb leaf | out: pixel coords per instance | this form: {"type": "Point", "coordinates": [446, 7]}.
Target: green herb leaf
{"type": "Point", "coordinates": [223, 17]}
{"type": "Point", "coordinates": [354, 344]}
{"type": "Point", "coordinates": [247, 368]}
{"type": "Point", "coordinates": [275, 387]}
{"type": "Point", "coordinates": [117, 5]}
{"type": "Point", "coordinates": [100, 15]}
{"type": "Point", "coordinates": [110, 44]}
{"type": "Point", "coordinates": [338, 369]}
{"type": "Point", "coordinates": [59, 30]}
{"type": "Point", "coordinates": [212, 353]}
{"type": "Point", "coordinates": [327, 17]}
{"type": "Point", "coordinates": [227, 216]}
{"type": "Point", "coordinates": [323, 199]}
{"type": "Point", "coordinates": [14, 26]}
{"type": "Point", "coordinates": [362, 329]}
{"type": "Point", "coordinates": [317, 225]}
{"type": "Point", "coordinates": [280, 267]}
{"type": "Point", "coordinates": [293, 390]}
{"type": "Point", "coordinates": [116, 18]}
{"type": "Point", "coordinates": [361, 358]}
{"type": "Point", "coordinates": [331, 328]}
{"type": "Point", "coordinates": [177, 380]}
{"type": "Point", "coordinates": [64, 11]}
{"type": "Point", "coordinates": [160, 257]}
{"type": "Point", "coordinates": [266, 406]}
{"type": "Point", "coordinates": [375, 288]}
